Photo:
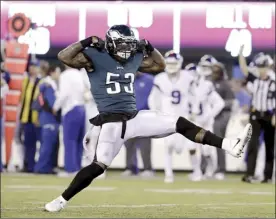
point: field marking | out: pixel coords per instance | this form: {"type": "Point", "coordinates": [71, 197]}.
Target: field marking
{"type": "Point", "coordinates": [43, 187]}
{"type": "Point", "coordinates": [215, 208]}
{"type": "Point", "coordinates": [208, 191]}
{"type": "Point", "coordinates": [209, 205]}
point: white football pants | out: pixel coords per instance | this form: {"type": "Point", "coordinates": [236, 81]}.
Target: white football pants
{"type": "Point", "coordinates": [146, 123]}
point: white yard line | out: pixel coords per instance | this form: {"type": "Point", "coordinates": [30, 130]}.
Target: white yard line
{"type": "Point", "coordinates": [211, 205]}
{"type": "Point", "coordinates": [209, 191]}
{"type": "Point", "coordinates": [55, 187]}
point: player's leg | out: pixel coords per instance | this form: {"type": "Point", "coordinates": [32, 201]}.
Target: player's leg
{"type": "Point", "coordinates": [168, 170]}
{"type": "Point", "coordinates": [109, 144]}
{"type": "Point", "coordinates": [209, 155]}
{"type": "Point", "coordinates": [156, 124]}
{"type": "Point", "coordinates": [195, 158]}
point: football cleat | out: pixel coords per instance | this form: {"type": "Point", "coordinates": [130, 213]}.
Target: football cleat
{"type": "Point", "coordinates": [56, 205]}
{"type": "Point", "coordinates": [235, 147]}
{"type": "Point", "coordinates": [169, 179]}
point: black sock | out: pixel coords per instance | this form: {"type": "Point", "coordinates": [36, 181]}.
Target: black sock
{"type": "Point", "coordinates": [197, 134]}
{"type": "Point", "coordinates": [83, 179]}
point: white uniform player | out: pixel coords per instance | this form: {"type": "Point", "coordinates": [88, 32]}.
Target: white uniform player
{"type": "Point", "coordinates": [169, 95]}
{"type": "Point", "coordinates": [204, 104]}
{"type": "Point", "coordinates": [214, 104]}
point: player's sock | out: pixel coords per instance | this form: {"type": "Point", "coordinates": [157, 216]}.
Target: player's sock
{"type": "Point", "coordinates": [82, 180]}
{"type": "Point", "coordinates": [195, 161]}
{"type": "Point", "coordinates": [197, 134]}
{"type": "Point", "coordinates": [168, 162]}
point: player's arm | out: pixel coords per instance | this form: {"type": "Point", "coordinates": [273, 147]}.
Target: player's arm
{"type": "Point", "coordinates": [75, 58]}
{"type": "Point", "coordinates": [242, 62]}
{"type": "Point", "coordinates": [154, 99]}
{"type": "Point", "coordinates": [154, 61]}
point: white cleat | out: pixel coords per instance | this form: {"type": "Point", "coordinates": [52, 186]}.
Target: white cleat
{"type": "Point", "coordinates": [126, 173]}
{"type": "Point", "coordinates": [147, 174]}
{"type": "Point", "coordinates": [235, 147]}
{"type": "Point", "coordinates": [169, 179]}
{"type": "Point", "coordinates": [56, 205]}
{"type": "Point", "coordinates": [195, 177]}
{"type": "Point", "coordinates": [219, 176]}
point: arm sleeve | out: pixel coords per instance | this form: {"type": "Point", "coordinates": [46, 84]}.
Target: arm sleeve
{"type": "Point", "coordinates": [64, 87]}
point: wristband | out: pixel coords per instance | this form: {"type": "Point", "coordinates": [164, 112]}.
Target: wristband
{"type": "Point", "coordinates": [86, 42]}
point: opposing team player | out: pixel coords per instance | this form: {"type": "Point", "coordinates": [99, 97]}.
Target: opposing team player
{"type": "Point", "coordinates": [111, 65]}
{"type": "Point", "coordinates": [169, 95]}
{"type": "Point", "coordinates": [204, 105]}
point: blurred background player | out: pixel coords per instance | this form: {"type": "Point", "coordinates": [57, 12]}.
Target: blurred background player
{"type": "Point", "coordinates": [71, 102]}
{"type": "Point", "coordinates": [261, 85]}
{"type": "Point", "coordinates": [49, 122]}
{"type": "Point", "coordinates": [168, 95]}
{"type": "Point", "coordinates": [5, 79]}
{"type": "Point", "coordinates": [204, 104]}
{"type": "Point", "coordinates": [29, 116]}
{"type": "Point", "coordinates": [220, 80]}
{"type": "Point", "coordinates": [142, 87]}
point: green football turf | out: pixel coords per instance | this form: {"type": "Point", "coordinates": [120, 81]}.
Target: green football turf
{"type": "Point", "coordinates": [25, 195]}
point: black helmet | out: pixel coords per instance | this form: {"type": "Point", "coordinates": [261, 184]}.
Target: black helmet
{"type": "Point", "coordinates": [121, 42]}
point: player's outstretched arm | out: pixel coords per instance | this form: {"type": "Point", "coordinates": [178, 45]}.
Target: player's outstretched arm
{"type": "Point", "coordinates": [154, 62]}
{"type": "Point", "coordinates": [242, 62]}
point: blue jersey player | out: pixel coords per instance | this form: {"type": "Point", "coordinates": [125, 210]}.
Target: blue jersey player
{"type": "Point", "coordinates": [111, 66]}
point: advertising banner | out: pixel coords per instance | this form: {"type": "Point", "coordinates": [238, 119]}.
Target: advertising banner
{"type": "Point", "coordinates": [171, 24]}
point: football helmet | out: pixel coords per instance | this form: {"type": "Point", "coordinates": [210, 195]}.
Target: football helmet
{"type": "Point", "coordinates": [173, 62]}
{"type": "Point", "coordinates": [261, 60]}
{"type": "Point", "coordinates": [191, 67]}
{"type": "Point", "coordinates": [205, 64]}
{"type": "Point", "coordinates": [121, 42]}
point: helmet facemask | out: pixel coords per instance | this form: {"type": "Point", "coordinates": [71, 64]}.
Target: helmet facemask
{"type": "Point", "coordinates": [121, 47]}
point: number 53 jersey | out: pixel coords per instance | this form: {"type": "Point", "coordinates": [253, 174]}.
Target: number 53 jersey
{"type": "Point", "coordinates": [169, 93]}
{"type": "Point", "coordinates": [112, 82]}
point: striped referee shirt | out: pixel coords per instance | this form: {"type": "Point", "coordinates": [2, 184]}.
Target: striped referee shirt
{"type": "Point", "coordinates": [263, 93]}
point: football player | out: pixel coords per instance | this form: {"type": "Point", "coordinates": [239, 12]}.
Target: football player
{"type": "Point", "coordinates": [169, 96]}
{"type": "Point", "coordinates": [205, 65]}
{"type": "Point", "coordinates": [204, 105]}
{"type": "Point", "coordinates": [111, 67]}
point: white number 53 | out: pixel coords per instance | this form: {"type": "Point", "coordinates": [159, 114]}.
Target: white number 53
{"type": "Point", "coordinates": [115, 87]}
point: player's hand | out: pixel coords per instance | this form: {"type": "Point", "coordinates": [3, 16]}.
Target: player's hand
{"type": "Point", "coordinates": [54, 112]}
{"type": "Point", "coordinates": [98, 43]}
{"type": "Point", "coordinates": [145, 46]}
{"type": "Point", "coordinates": [273, 120]}
{"type": "Point", "coordinates": [241, 49]}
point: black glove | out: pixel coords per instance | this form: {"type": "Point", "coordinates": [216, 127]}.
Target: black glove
{"type": "Point", "coordinates": [98, 43]}
{"type": "Point", "coordinates": [144, 45]}
{"type": "Point", "coordinates": [93, 41]}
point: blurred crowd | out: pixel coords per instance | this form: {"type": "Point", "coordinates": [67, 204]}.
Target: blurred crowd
{"type": "Point", "coordinates": [56, 99]}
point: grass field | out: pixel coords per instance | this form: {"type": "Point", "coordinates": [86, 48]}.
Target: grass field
{"type": "Point", "coordinates": [25, 195]}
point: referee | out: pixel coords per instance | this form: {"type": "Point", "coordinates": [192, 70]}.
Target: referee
{"type": "Point", "coordinates": [261, 84]}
